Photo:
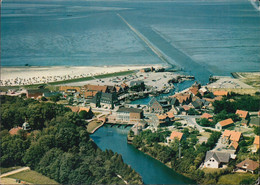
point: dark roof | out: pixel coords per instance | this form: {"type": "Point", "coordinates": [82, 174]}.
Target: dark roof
{"type": "Point", "coordinates": [173, 101]}
{"type": "Point", "coordinates": [33, 91]}
{"type": "Point", "coordinates": [49, 94]}
{"type": "Point", "coordinates": [196, 104]}
{"type": "Point", "coordinates": [139, 82]}
{"type": "Point", "coordinates": [219, 156]}
{"type": "Point", "coordinates": [125, 109]}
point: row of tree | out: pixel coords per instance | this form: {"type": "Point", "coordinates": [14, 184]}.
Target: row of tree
{"type": "Point", "coordinates": [61, 147]}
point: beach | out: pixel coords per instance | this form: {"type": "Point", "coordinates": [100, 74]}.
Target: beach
{"type": "Point", "coordinates": [14, 76]}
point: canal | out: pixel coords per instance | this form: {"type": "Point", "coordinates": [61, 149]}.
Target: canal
{"type": "Point", "coordinates": [151, 170]}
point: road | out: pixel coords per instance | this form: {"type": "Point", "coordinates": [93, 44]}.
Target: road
{"type": "Point", "coordinates": [15, 171]}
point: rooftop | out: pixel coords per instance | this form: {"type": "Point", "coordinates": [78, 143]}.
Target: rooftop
{"type": "Point", "coordinates": [177, 135]}
{"type": "Point", "coordinates": [226, 122]}
{"type": "Point", "coordinates": [248, 164]}
{"type": "Point", "coordinates": [233, 135]}
{"type": "Point", "coordinates": [130, 110]}
{"type": "Point", "coordinates": [242, 113]}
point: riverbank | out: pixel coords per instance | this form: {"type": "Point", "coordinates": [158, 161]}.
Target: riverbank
{"type": "Point", "coordinates": [18, 76]}
{"type": "Point", "coordinates": [166, 164]}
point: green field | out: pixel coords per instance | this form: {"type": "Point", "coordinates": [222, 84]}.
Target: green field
{"type": "Point", "coordinates": [235, 178]}
{"type": "Point", "coordinates": [5, 170]}
{"type": "Point", "coordinates": [32, 177]}
{"type": "Point", "coordinates": [93, 125]}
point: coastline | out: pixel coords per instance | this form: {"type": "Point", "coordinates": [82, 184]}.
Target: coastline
{"type": "Point", "coordinates": [25, 75]}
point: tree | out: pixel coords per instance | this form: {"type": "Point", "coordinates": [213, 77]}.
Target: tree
{"type": "Point", "coordinates": [55, 98]}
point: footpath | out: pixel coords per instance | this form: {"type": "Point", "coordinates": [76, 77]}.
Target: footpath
{"type": "Point", "coordinates": [14, 171]}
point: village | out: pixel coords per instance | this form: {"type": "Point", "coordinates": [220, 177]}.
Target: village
{"type": "Point", "coordinates": [108, 101]}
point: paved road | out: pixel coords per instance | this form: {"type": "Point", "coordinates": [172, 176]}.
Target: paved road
{"type": "Point", "coordinates": [14, 171]}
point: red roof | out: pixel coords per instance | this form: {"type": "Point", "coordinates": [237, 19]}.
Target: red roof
{"type": "Point", "coordinates": [220, 93]}
{"type": "Point", "coordinates": [256, 141]}
{"type": "Point", "coordinates": [177, 135]}
{"type": "Point", "coordinates": [234, 144]}
{"type": "Point", "coordinates": [226, 122]}
{"type": "Point", "coordinates": [232, 135]}
{"type": "Point", "coordinates": [15, 130]}
{"type": "Point", "coordinates": [206, 115]}
{"type": "Point", "coordinates": [242, 113]}
{"type": "Point", "coordinates": [248, 164]}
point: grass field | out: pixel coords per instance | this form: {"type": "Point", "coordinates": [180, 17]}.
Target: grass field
{"type": "Point", "coordinates": [211, 170]}
{"type": "Point", "coordinates": [250, 78]}
{"type": "Point", "coordinates": [5, 170]}
{"type": "Point", "coordinates": [235, 178]}
{"type": "Point", "coordinates": [32, 177]}
{"type": "Point", "coordinates": [93, 125]}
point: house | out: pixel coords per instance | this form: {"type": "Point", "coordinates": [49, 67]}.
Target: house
{"type": "Point", "coordinates": [137, 85]}
{"type": "Point", "coordinates": [69, 89]}
{"type": "Point", "coordinates": [216, 159]}
{"type": "Point", "coordinates": [194, 89]}
{"type": "Point", "coordinates": [224, 124]}
{"type": "Point", "coordinates": [173, 102]}
{"type": "Point", "coordinates": [129, 114]}
{"type": "Point", "coordinates": [177, 110]}
{"type": "Point", "coordinates": [229, 136]}
{"type": "Point", "coordinates": [256, 142]}
{"type": "Point", "coordinates": [197, 104]}
{"type": "Point", "coordinates": [26, 126]}
{"type": "Point", "coordinates": [158, 106]}
{"type": "Point", "coordinates": [203, 91]}
{"type": "Point", "coordinates": [163, 119]}
{"type": "Point", "coordinates": [94, 88]}
{"type": "Point", "coordinates": [183, 98]}
{"type": "Point", "coordinates": [14, 131]}
{"type": "Point", "coordinates": [242, 114]}
{"type": "Point", "coordinates": [105, 100]}
{"type": "Point", "coordinates": [233, 146]}
{"type": "Point", "coordinates": [248, 166]}
{"type": "Point", "coordinates": [170, 115]}
{"type": "Point", "coordinates": [220, 93]}
{"type": "Point", "coordinates": [35, 93]}
{"type": "Point", "coordinates": [206, 116]}
{"type": "Point", "coordinates": [90, 94]}
{"type": "Point", "coordinates": [175, 135]}
{"type": "Point", "coordinates": [50, 94]}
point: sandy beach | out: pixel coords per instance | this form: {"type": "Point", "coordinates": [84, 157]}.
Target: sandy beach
{"type": "Point", "coordinates": [11, 76]}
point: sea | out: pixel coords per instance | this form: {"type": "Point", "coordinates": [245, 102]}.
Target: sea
{"type": "Point", "coordinates": [215, 37]}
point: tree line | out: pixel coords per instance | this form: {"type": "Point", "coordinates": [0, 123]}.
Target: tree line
{"type": "Point", "coordinates": [58, 145]}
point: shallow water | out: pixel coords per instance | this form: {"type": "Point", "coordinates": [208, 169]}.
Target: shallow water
{"type": "Point", "coordinates": [203, 37]}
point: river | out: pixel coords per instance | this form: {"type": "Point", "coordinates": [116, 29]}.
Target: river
{"type": "Point", "coordinates": [151, 170]}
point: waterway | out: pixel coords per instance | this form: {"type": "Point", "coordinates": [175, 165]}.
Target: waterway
{"type": "Point", "coordinates": [151, 170]}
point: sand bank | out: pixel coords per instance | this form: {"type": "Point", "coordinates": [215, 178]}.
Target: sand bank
{"type": "Point", "coordinates": [11, 76]}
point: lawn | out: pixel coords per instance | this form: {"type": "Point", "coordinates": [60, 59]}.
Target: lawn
{"type": "Point", "coordinates": [211, 170]}
{"type": "Point", "coordinates": [33, 177]}
{"type": "Point", "coordinates": [5, 170]}
{"type": "Point", "coordinates": [93, 125]}
{"type": "Point", "coordinates": [235, 178]}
